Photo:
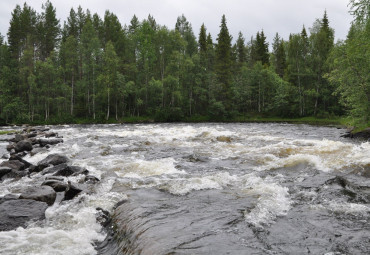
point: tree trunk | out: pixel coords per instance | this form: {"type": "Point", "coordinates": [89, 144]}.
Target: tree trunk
{"type": "Point", "coordinates": [72, 96]}
{"type": "Point", "coordinates": [108, 105]}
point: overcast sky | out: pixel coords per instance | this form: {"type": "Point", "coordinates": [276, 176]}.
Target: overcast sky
{"type": "Point", "coordinates": [247, 16]}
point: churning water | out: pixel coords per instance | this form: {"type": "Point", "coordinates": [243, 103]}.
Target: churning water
{"type": "Point", "coordinates": [206, 189]}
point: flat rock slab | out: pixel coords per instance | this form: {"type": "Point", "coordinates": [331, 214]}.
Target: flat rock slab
{"type": "Point", "coordinates": [16, 213]}
{"type": "Point", "coordinates": [44, 194]}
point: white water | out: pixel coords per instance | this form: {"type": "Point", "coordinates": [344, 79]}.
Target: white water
{"type": "Point", "coordinates": [143, 156]}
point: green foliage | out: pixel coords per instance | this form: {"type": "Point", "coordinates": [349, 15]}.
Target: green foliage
{"type": "Point", "coordinates": [96, 70]}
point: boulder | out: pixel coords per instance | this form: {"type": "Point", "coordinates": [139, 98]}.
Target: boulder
{"type": "Point", "coordinates": [43, 141]}
{"type": "Point", "coordinates": [73, 190]}
{"type": "Point", "coordinates": [90, 179]}
{"type": "Point", "coordinates": [19, 137]}
{"type": "Point", "coordinates": [8, 197]}
{"type": "Point", "coordinates": [4, 170]}
{"type": "Point", "coordinates": [68, 171]}
{"type": "Point", "coordinates": [17, 157]}
{"type": "Point", "coordinates": [52, 159]}
{"type": "Point", "coordinates": [225, 139]}
{"type": "Point", "coordinates": [51, 134]}
{"type": "Point", "coordinates": [57, 185]}
{"type": "Point", "coordinates": [16, 174]}
{"type": "Point", "coordinates": [10, 147]}
{"type": "Point", "coordinates": [24, 145]}
{"type": "Point", "coordinates": [13, 164]}
{"type": "Point", "coordinates": [16, 213]}
{"type": "Point", "coordinates": [53, 169]}
{"type": "Point", "coordinates": [44, 194]}
{"type": "Point", "coordinates": [30, 135]}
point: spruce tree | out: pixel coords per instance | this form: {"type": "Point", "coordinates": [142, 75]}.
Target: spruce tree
{"type": "Point", "coordinates": [202, 42]}
{"type": "Point", "coordinates": [223, 64]}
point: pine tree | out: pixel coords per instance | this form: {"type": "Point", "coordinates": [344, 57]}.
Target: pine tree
{"type": "Point", "coordinates": [49, 30]}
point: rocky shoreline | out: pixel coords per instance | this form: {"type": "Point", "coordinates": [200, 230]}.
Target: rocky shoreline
{"type": "Point", "coordinates": [362, 135]}
{"type": "Point", "coordinates": [28, 204]}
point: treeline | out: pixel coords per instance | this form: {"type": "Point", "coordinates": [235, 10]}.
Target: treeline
{"type": "Point", "coordinates": [97, 69]}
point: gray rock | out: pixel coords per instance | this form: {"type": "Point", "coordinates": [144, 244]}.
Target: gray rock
{"type": "Point", "coordinates": [90, 179]}
{"type": "Point", "coordinates": [73, 190]}
{"type": "Point", "coordinates": [19, 137]}
{"type": "Point", "coordinates": [70, 170]}
{"type": "Point", "coordinates": [8, 197]}
{"type": "Point", "coordinates": [43, 142]}
{"type": "Point", "coordinates": [15, 174]}
{"type": "Point", "coordinates": [44, 194]}
{"type": "Point", "coordinates": [10, 147]}
{"type": "Point", "coordinates": [52, 159]}
{"type": "Point", "coordinates": [53, 169]}
{"type": "Point", "coordinates": [13, 164]}
{"type": "Point", "coordinates": [57, 185]}
{"type": "Point", "coordinates": [24, 145]}
{"type": "Point", "coordinates": [4, 170]}
{"type": "Point", "coordinates": [16, 213]}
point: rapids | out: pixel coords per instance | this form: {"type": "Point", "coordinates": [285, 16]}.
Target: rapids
{"type": "Point", "coordinates": [206, 189]}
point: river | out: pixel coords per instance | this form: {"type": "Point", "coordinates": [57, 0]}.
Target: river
{"type": "Point", "coordinates": [205, 189]}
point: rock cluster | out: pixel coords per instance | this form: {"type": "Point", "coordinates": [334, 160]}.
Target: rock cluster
{"type": "Point", "coordinates": [30, 203]}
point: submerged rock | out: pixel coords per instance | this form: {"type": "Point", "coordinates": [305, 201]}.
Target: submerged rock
{"type": "Point", "coordinates": [16, 213]}
{"type": "Point", "coordinates": [44, 194]}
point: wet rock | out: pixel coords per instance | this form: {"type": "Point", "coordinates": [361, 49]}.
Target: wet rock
{"type": "Point", "coordinates": [44, 194]}
{"type": "Point", "coordinates": [24, 145]}
{"type": "Point", "coordinates": [10, 147]}
{"type": "Point", "coordinates": [4, 171]}
{"type": "Point", "coordinates": [20, 159]}
{"type": "Point", "coordinates": [225, 139]}
{"type": "Point", "coordinates": [196, 158]}
{"type": "Point", "coordinates": [31, 135]}
{"type": "Point", "coordinates": [103, 217]}
{"type": "Point", "coordinates": [73, 190]}
{"type": "Point", "coordinates": [16, 213]}
{"type": "Point", "coordinates": [53, 169]}
{"type": "Point", "coordinates": [57, 185]}
{"type": "Point", "coordinates": [70, 170]}
{"type": "Point", "coordinates": [90, 179]}
{"type": "Point", "coordinates": [19, 137]}
{"type": "Point", "coordinates": [5, 156]}
{"type": "Point", "coordinates": [43, 142]}
{"type": "Point", "coordinates": [15, 174]}
{"type": "Point", "coordinates": [13, 164]}
{"type": "Point", "coordinates": [52, 159]}
{"type": "Point", "coordinates": [51, 134]}
{"type": "Point", "coordinates": [8, 197]}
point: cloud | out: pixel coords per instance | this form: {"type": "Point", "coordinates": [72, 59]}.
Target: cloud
{"type": "Point", "coordinates": [247, 16]}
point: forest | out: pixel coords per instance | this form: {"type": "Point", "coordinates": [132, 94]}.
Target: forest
{"type": "Point", "coordinates": [96, 70]}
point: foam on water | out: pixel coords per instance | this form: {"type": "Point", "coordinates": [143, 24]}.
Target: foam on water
{"type": "Point", "coordinates": [144, 168]}
{"type": "Point", "coordinates": [273, 200]}
{"type": "Point", "coordinates": [185, 185]}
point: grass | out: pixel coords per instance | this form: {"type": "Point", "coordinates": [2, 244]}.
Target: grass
{"type": "Point", "coordinates": [4, 132]}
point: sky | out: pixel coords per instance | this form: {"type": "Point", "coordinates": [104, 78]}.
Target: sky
{"type": "Point", "coordinates": [247, 16]}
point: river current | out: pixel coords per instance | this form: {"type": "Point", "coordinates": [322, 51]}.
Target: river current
{"type": "Point", "coordinates": [205, 189]}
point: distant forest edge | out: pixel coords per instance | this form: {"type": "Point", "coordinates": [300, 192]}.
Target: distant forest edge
{"type": "Point", "coordinates": [97, 70]}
